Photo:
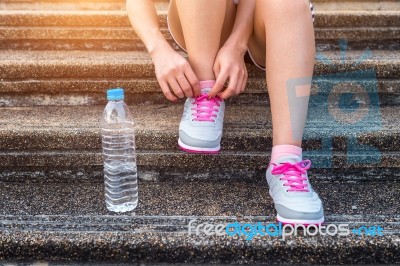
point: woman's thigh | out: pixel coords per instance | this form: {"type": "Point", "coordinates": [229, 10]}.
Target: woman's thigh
{"type": "Point", "coordinates": [257, 42]}
{"type": "Point", "coordinates": [175, 26]}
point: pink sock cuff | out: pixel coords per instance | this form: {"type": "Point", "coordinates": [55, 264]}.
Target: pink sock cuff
{"type": "Point", "coordinates": [287, 149]}
{"type": "Point", "coordinates": [207, 84]}
{"type": "Point", "coordinates": [283, 150]}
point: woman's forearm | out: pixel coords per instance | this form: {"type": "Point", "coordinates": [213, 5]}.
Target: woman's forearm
{"type": "Point", "coordinates": [243, 27]}
{"type": "Point", "coordinates": [144, 19]}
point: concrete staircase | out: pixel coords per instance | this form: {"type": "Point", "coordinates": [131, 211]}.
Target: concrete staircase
{"type": "Point", "coordinates": [59, 57]}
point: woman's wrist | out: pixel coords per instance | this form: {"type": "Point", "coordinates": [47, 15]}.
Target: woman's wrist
{"type": "Point", "coordinates": [236, 44]}
{"type": "Point", "coordinates": [157, 45]}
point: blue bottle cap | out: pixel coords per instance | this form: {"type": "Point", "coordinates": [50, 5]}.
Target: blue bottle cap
{"type": "Point", "coordinates": [115, 94]}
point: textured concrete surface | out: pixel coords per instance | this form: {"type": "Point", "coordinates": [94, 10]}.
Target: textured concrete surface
{"type": "Point", "coordinates": [359, 5]}
{"type": "Point", "coordinates": [72, 92]}
{"type": "Point", "coordinates": [71, 5]}
{"type": "Point", "coordinates": [193, 198]}
{"type": "Point", "coordinates": [124, 38]}
{"type": "Point", "coordinates": [53, 137]}
{"type": "Point", "coordinates": [75, 226]}
{"type": "Point", "coordinates": [94, 174]}
{"type": "Point", "coordinates": [20, 18]}
{"type": "Point", "coordinates": [106, 44]}
{"type": "Point", "coordinates": [51, 180]}
{"type": "Point", "coordinates": [177, 247]}
{"type": "Point", "coordinates": [120, 5]}
{"type": "Point", "coordinates": [62, 86]}
{"type": "Point", "coordinates": [239, 161]}
{"type": "Point", "coordinates": [68, 81]}
{"type": "Point", "coordinates": [246, 128]}
{"type": "Point", "coordinates": [100, 64]}
{"type": "Point", "coordinates": [348, 19]}
{"type": "Point", "coordinates": [109, 30]}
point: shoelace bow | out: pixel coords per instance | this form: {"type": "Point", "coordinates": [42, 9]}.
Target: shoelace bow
{"type": "Point", "coordinates": [205, 108]}
{"type": "Point", "coordinates": [293, 174]}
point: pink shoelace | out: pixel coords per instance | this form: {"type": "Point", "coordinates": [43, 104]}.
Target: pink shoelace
{"type": "Point", "coordinates": [293, 174]}
{"type": "Point", "coordinates": [205, 108]}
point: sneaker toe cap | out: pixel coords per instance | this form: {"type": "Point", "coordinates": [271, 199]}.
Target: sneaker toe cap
{"type": "Point", "coordinates": [315, 212]}
{"type": "Point", "coordinates": [198, 140]}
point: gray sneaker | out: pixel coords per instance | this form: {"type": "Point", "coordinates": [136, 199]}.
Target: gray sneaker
{"type": "Point", "coordinates": [294, 199]}
{"type": "Point", "coordinates": [200, 129]}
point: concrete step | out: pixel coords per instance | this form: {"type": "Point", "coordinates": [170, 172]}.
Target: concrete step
{"type": "Point", "coordinates": [51, 191]}
{"type": "Point", "coordinates": [81, 77]}
{"type": "Point", "coordinates": [120, 4]}
{"type": "Point", "coordinates": [71, 5]}
{"type": "Point", "coordinates": [68, 222]}
{"type": "Point", "coordinates": [357, 5]}
{"type": "Point", "coordinates": [84, 18]}
{"type": "Point", "coordinates": [66, 92]}
{"type": "Point", "coordinates": [52, 138]}
{"type": "Point", "coordinates": [16, 65]}
{"type": "Point", "coordinates": [227, 165]}
{"type": "Point", "coordinates": [111, 30]}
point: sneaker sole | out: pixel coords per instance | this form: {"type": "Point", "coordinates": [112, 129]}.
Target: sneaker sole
{"type": "Point", "coordinates": [198, 150]}
{"type": "Point", "coordinates": [296, 221]}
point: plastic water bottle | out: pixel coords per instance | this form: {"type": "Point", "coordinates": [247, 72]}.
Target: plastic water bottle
{"type": "Point", "coordinates": [119, 154]}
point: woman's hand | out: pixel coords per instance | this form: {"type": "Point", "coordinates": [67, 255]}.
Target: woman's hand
{"type": "Point", "coordinates": [229, 65]}
{"type": "Point", "coordinates": [174, 74]}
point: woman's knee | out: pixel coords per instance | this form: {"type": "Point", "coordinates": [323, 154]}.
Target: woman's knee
{"type": "Point", "coordinates": [284, 8]}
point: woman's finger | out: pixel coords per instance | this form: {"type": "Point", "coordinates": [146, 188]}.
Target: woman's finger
{"type": "Point", "coordinates": [193, 81]}
{"type": "Point", "coordinates": [235, 83]}
{"type": "Point", "coordinates": [167, 92]}
{"type": "Point", "coordinates": [238, 89]}
{"type": "Point", "coordinates": [219, 84]}
{"type": "Point", "coordinates": [229, 92]}
{"type": "Point", "coordinates": [217, 69]}
{"type": "Point", "coordinates": [175, 87]}
{"type": "Point", "coordinates": [185, 86]}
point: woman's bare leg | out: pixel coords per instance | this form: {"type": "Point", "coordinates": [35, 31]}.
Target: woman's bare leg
{"type": "Point", "coordinates": [201, 27]}
{"type": "Point", "coordinates": [283, 41]}
{"type": "Point", "coordinates": [286, 26]}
